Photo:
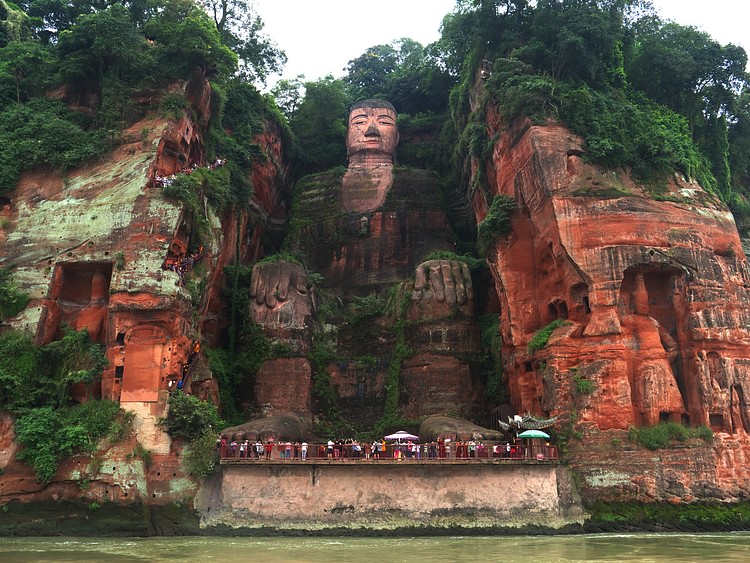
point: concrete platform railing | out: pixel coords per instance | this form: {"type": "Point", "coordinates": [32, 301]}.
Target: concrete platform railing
{"type": "Point", "coordinates": [424, 453]}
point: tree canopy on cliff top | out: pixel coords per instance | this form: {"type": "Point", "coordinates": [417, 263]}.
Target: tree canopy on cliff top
{"type": "Point", "coordinates": [99, 56]}
{"type": "Point", "coordinates": [646, 94]}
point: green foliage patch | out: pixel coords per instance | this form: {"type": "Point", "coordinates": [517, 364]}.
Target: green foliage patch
{"type": "Point", "coordinates": [664, 434]}
{"type": "Point", "coordinates": [647, 95]}
{"type": "Point", "coordinates": [189, 417]}
{"type": "Point", "coordinates": [49, 435]}
{"type": "Point", "coordinates": [583, 386]}
{"type": "Point", "coordinates": [202, 456]}
{"type": "Point", "coordinates": [705, 516]}
{"type": "Point", "coordinates": [365, 309]}
{"type": "Point", "coordinates": [496, 224]}
{"type": "Point", "coordinates": [35, 386]}
{"type": "Point", "coordinates": [141, 452]}
{"type": "Point", "coordinates": [12, 300]}
{"type": "Point", "coordinates": [541, 337]}
{"type": "Point", "coordinates": [472, 262]}
{"type": "Point", "coordinates": [31, 376]}
{"type": "Point", "coordinates": [492, 368]}
{"type": "Point", "coordinates": [198, 422]}
{"type": "Point", "coordinates": [630, 131]}
{"type": "Point", "coordinates": [399, 303]}
{"type": "Point", "coordinates": [44, 132]}
{"type": "Point", "coordinates": [331, 423]}
{"type": "Point", "coordinates": [173, 106]}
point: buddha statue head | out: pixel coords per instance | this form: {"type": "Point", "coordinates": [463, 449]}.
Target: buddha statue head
{"type": "Point", "coordinates": [371, 135]}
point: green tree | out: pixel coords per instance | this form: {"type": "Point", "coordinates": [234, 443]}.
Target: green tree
{"type": "Point", "coordinates": [577, 40]}
{"type": "Point", "coordinates": [496, 223]}
{"type": "Point", "coordinates": [419, 84]}
{"type": "Point", "coordinates": [692, 74]}
{"type": "Point", "coordinates": [480, 28]}
{"type": "Point", "coordinates": [24, 70]}
{"type": "Point", "coordinates": [49, 435]}
{"type": "Point", "coordinates": [189, 38]}
{"type": "Point", "coordinates": [319, 126]}
{"type": "Point", "coordinates": [686, 70]}
{"type": "Point", "coordinates": [32, 376]}
{"type": "Point", "coordinates": [22, 384]}
{"type": "Point", "coordinates": [50, 17]}
{"type": "Point", "coordinates": [202, 455]}
{"type": "Point", "coordinates": [189, 417]}
{"type": "Point", "coordinates": [241, 30]}
{"type": "Point", "coordinates": [105, 44]}
{"type": "Point", "coordinates": [402, 72]}
{"type": "Point", "coordinates": [73, 359]}
{"type": "Point", "coordinates": [15, 25]}
{"type": "Point", "coordinates": [368, 75]}
{"type": "Point", "coordinates": [739, 143]}
{"type": "Point", "coordinates": [288, 94]}
{"type": "Point", "coordinates": [43, 132]}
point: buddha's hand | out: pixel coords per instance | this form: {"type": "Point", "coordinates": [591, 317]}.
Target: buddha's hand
{"type": "Point", "coordinates": [280, 293]}
{"type": "Point", "coordinates": [446, 281]}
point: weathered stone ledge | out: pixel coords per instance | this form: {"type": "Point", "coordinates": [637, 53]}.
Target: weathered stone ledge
{"type": "Point", "coordinates": [90, 519]}
{"type": "Point", "coordinates": [64, 518]}
{"type": "Point", "coordinates": [385, 497]}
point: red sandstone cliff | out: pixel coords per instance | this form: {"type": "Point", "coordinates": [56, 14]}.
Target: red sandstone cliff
{"type": "Point", "coordinates": [90, 250]}
{"type": "Point", "coordinates": [655, 293]}
{"type": "Point", "coordinates": [656, 298]}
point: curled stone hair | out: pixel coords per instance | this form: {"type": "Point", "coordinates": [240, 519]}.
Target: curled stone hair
{"type": "Point", "coordinates": [372, 103]}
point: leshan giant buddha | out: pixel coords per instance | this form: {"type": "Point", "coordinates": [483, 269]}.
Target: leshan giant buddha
{"type": "Point", "coordinates": [365, 230]}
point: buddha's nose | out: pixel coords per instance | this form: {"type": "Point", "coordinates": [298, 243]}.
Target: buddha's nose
{"type": "Point", "coordinates": [372, 131]}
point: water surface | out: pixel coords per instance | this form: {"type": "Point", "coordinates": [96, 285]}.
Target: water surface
{"type": "Point", "coordinates": [720, 547]}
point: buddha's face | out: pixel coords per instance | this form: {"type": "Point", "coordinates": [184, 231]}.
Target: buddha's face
{"type": "Point", "coordinates": [372, 135]}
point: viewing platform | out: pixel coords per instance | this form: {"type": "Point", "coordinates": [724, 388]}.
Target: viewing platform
{"type": "Point", "coordinates": [347, 493]}
{"type": "Point", "coordinates": [317, 455]}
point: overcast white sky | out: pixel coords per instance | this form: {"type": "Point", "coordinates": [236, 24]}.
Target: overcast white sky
{"type": "Point", "coordinates": [321, 36]}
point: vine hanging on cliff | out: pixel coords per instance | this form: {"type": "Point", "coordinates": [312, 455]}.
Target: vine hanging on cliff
{"type": "Point", "coordinates": [496, 223]}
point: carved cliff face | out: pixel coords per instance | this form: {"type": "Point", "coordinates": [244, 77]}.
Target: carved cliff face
{"type": "Point", "coordinates": [638, 282]}
{"type": "Point", "coordinates": [371, 136]}
{"type": "Point", "coordinates": [371, 141]}
{"type": "Point", "coordinates": [95, 251]}
{"type": "Point", "coordinates": [394, 220]}
{"type": "Point", "coordinates": [280, 294]}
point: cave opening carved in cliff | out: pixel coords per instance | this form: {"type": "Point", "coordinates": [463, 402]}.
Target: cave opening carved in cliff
{"type": "Point", "coordinates": [79, 298]}
{"type": "Point", "coordinates": [655, 328]}
{"type": "Point", "coordinates": [728, 410]}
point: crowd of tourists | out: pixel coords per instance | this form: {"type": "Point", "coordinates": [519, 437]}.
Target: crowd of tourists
{"type": "Point", "coordinates": [179, 384]}
{"type": "Point", "coordinates": [245, 449]}
{"type": "Point", "coordinates": [160, 181]}
{"type": "Point", "coordinates": [183, 263]}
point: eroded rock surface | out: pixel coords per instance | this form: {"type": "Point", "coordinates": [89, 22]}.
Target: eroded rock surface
{"type": "Point", "coordinates": [92, 252]}
{"type": "Point", "coordinates": [653, 292]}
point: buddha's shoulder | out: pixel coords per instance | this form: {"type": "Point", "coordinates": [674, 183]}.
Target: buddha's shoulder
{"type": "Point", "coordinates": [400, 173]}
{"type": "Point", "coordinates": [412, 176]}
{"type": "Point", "coordinates": [332, 175]}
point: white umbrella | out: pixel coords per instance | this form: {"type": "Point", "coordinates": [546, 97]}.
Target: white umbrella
{"type": "Point", "coordinates": [533, 434]}
{"type": "Point", "coordinates": [401, 435]}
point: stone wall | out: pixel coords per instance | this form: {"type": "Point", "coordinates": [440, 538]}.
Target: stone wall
{"type": "Point", "coordinates": [610, 468]}
{"type": "Point", "coordinates": [387, 497]}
